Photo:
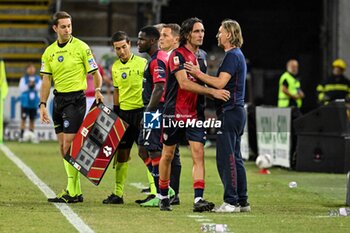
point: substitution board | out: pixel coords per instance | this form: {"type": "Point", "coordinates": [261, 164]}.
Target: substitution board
{"type": "Point", "coordinates": [96, 141]}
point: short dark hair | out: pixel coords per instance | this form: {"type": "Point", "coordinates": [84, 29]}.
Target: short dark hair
{"type": "Point", "coordinates": [151, 32]}
{"type": "Point", "coordinates": [60, 15]}
{"type": "Point", "coordinates": [119, 36]}
{"type": "Point", "coordinates": [186, 28]}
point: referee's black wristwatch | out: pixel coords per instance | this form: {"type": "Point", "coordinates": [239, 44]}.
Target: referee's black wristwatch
{"type": "Point", "coordinates": [42, 103]}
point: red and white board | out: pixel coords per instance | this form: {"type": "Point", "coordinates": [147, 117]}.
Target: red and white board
{"type": "Point", "coordinates": [95, 143]}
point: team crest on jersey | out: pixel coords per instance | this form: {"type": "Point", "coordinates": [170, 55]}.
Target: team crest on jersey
{"type": "Point", "coordinates": [176, 60]}
{"type": "Point", "coordinates": [124, 75]}
{"type": "Point", "coordinates": [60, 58]}
{"type": "Point", "coordinates": [165, 136]}
{"type": "Point", "coordinates": [66, 124]}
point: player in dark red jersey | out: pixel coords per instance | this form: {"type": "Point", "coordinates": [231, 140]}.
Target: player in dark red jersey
{"type": "Point", "coordinates": [153, 93]}
{"type": "Point", "coordinates": [231, 76]}
{"type": "Point", "coordinates": [180, 107]}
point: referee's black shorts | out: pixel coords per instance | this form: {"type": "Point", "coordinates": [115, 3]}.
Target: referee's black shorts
{"type": "Point", "coordinates": [133, 118]}
{"type": "Point", "coordinates": [68, 111]}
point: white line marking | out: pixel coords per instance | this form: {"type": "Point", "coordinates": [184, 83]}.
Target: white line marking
{"type": "Point", "coordinates": [326, 216]}
{"type": "Point", "coordinates": [204, 220]}
{"type": "Point", "coordinates": [138, 185]}
{"type": "Point", "coordinates": [195, 216]}
{"type": "Point", "coordinates": [70, 215]}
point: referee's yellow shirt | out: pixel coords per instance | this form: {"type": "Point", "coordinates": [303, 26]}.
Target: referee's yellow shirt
{"type": "Point", "coordinates": [128, 78]}
{"type": "Point", "coordinates": [68, 65]}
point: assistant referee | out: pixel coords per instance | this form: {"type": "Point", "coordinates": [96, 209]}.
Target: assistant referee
{"type": "Point", "coordinates": [66, 62]}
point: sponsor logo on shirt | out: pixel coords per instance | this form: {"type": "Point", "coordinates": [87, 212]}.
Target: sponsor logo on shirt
{"type": "Point", "coordinates": [92, 63]}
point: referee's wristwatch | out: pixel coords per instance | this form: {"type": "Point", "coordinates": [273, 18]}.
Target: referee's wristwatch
{"type": "Point", "coordinates": [42, 103]}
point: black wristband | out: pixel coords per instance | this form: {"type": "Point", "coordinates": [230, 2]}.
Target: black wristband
{"type": "Point", "coordinates": [42, 103]}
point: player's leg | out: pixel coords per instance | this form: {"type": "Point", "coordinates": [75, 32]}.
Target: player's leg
{"type": "Point", "coordinates": [196, 138]}
{"type": "Point", "coordinates": [73, 116]}
{"type": "Point", "coordinates": [23, 123]}
{"type": "Point", "coordinates": [198, 171]}
{"type": "Point", "coordinates": [121, 172]}
{"type": "Point", "coordinates": [68, 195]}
{"type": "Point", "coordinates": [152, 143]}
{"type": "Point", "coordinates": [32, 117]}
{"type": "Point", "coordinates": [143, 154]}
{"type": "Point", "coordinates": [72, 173]}
{"type": "Point", "coordinates": [123, 156]}
{"type": "Point", "coordinates": [175, 176]}
{"type": "Point", "coordinates": [142, 141]}
{"type": "Point", "coordinates": [155, 158]}
{"type": "Point", "coordinates": [164, 175]}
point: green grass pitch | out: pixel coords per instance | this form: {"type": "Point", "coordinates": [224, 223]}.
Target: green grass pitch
{"type": "Point", "coordinates": [275, 206]}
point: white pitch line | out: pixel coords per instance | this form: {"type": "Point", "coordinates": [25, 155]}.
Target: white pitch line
{"type": "Point", "coordinates": [204, 220]}
{"type": "Point", "coordinates": [138, 185]}
{"type": "Point", "coordinates": [70, 215]}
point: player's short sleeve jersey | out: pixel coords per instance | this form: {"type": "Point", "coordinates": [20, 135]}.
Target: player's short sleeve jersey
{"type": "Point", "coordinates": [180, 103]}
{"type": "Point", "coordinates": [233, 63]}
{"type": "Point", "coordinates": [156, 72]}
{"type": "Point", "coordinates": [128, 78]}
{"type": "Point", "coordinates": [68, 65]}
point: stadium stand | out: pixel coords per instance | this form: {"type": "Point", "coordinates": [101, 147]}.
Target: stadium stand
{"type": "Point", "coordinates": [24, 27]}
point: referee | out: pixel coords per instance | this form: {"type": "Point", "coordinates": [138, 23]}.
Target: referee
{"type": "Point", "coordinates": [66, 63]}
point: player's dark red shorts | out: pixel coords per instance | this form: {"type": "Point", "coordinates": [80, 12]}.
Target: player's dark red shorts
{"type": "Point", "coordinates": [175, 135]}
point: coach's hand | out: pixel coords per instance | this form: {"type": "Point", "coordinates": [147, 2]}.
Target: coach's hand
{"type": "Point", "coordinates": [220, 94]}
{"type": "Point", "coordinates": [98, 95]}
{"type": "Point", "coordinates": [194, 70]}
